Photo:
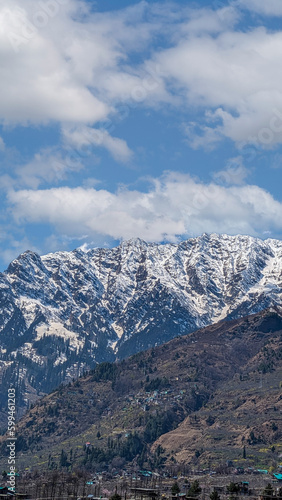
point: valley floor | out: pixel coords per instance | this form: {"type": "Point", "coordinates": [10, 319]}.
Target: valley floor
{"type": "Point", "coordinates": [130, 486]}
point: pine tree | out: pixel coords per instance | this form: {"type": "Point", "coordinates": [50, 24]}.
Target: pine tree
{"type": "Point", "coordinates": [63, 459]}
{"type": "Point", "coordinates": [175, 490]}
{"type": "Point", "coordinates": [214, 495]}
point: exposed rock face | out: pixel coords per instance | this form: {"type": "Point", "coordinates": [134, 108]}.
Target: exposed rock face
{"type": "Point", "coordinates": [200, 398]}
{"type": "Point", "coordinates": [63, 312]}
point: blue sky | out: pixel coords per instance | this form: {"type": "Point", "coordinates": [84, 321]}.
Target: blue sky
{"type": "Point", "coordinates": [159, 120]}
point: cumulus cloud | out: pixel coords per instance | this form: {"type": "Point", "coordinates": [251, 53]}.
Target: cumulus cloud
{"type": "Point", "coordinates": [74, 66]}
{"type": "Point", "coordinates": [233, 80]}
{"type": "Point", "coordinates": [81, 137]}
{"type": "Point", "coordinates": [208, 20]}
{"type": "Point", "coordinates": [38, 81]}
{"type": "Point", "coordinates": [234, 174]}
{"type": "Point", "coordinates": [48, 166]}
{"type": "Point", "coordinates": [269, 7]}
{"type": "Point", "coordinates": [67, 64]}
{"type": "Point", "coordinates": [175, 206]}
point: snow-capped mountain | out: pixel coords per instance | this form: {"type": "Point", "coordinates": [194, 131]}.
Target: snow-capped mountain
{"type": "Point", "coordinates": [62, 312]}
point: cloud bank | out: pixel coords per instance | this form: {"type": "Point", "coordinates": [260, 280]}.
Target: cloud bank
{"type": "Point", "coordinates": [92, 65]}
{"type": "Point", "coordinates": [174, 207]}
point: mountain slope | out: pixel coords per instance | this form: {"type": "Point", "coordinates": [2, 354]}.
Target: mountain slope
{"type": "Point", "coordinates": [191, 384]}
{"type": "Point", "coordinates": [63, 312]}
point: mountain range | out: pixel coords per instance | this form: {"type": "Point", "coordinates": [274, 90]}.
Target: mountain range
{"type": "Point", "coordinates": [201, 399]}
{"type": "Point", "coordinates": [62, 313]}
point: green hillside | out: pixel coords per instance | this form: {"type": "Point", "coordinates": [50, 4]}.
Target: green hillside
{"type": "Point", "coordinates": [199, 399]}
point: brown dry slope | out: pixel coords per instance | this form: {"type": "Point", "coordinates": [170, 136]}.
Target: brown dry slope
{"type": "Point", "coordinates": [242, 421]}
{"type": "Point", "coordinates": [206, 383]}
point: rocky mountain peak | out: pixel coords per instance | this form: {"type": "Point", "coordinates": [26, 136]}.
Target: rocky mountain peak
{"type": "Point", "coordinates": [73, 309]}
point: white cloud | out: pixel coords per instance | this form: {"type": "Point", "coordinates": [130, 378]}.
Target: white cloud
{"type": "Point", "coordinates": [48, 166]}
{"type": "Point", "coordinates": [38, 81]}
{"type": "Point", "coordinates": [77, 67]}
{"type": "Point", "coordinates": [2, 144]}
{"type": "Point", "coordinates": [234, 174]}
{"type": "Point", "coordinates": [202, 136]}
{"type": "Point", "coordinates": [175, 206]}
{"type": "Point", "coordinates": [80, 137]}
{"type": "Point", "coordinates": [233, 80]}
{"type": "Point", "coordinates": [70, 65]}
{"type": "Point", "coordinates": [266, 7]}
{"type": "Point", "coordinates": [206, 20]}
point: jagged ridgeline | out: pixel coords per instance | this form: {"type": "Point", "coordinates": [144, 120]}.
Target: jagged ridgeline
{"type": "Point", "coordinates": [64, 312]}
